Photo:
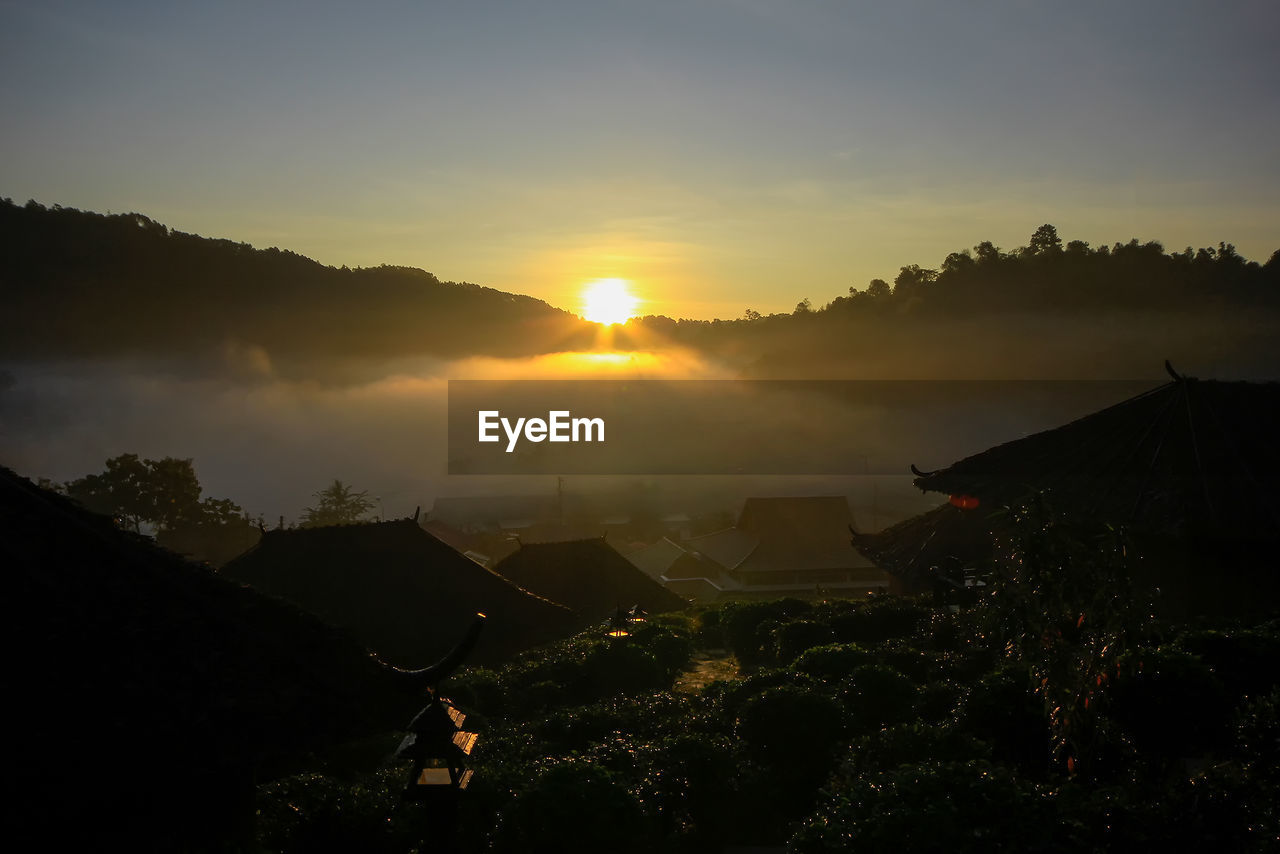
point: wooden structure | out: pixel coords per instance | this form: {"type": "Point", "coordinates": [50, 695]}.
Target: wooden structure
{"type": "Point", "coordinates": [153, 694]}
{"type": "Point", "coordinates": [1186, 468]}
{"type": "Point", "coordinates": [398, 589]}
{"type": "Point", "coordinates": [589, 576]}
{"type": "Point", "coordinates": [439, 748]}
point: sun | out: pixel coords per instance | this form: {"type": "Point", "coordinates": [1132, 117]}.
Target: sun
{"type": "Point", "coordinates": [608, 301]}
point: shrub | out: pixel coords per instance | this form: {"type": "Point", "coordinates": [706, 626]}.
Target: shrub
{"type": "Point", "coordinates": [832, 662]}
{"type": "Point", "coordinates": [877, 695]}
{"type": "Point", "coordinates": [572, 806]}
{"type": "Point", "coordinates": [743, 620]}
{"type": "Point", "coordinates": [1003, 710]}
{"type": "Point", "coordinates": [933, 806]}
{"type": "Point", "coordinates": [614, 668]}
{"type": "Point", "coordinates": [1170, 703]}
{"type": "Point", "coordinates": [880, 619]}
{"type": "Point", "coordinates": [909, 744]}
{"type": "Point", "coordinates": [791, 725]}
{"type": "Point", "coordinates": [793, 638]}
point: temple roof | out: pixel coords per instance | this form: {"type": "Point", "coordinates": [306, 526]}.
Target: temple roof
{"type": "Point", "coordinates": [798, 533]}
{"type": "Point", "coordinates": [143, 675]}
{"type": "Point", "coordinates": [588, 575]}
{"type": "Point", "coordinates": [945, 540]}
{"type": "Point", "coordinates": [1192, 455]}
{"type": "Point", "coordinates": [399, 589]}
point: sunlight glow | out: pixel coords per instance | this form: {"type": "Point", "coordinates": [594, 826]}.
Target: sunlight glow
{"type": "Point", "coordinates": [608, 301]}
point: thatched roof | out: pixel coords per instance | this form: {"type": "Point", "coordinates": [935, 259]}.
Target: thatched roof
{"type": "Point", "coordinates": [798, 533]}
{"type": "Point", "coordinates": [588, 575]}
{"type": "Point", "coordinates": [934, 547]}
{"type": "Point", "coordinates": [400, 590]}
{"type": "Point", "coordinates": [656, 558]}
{"type": "Point", "coordinates": [1192, 456]}
{"type": "Point", "coordinates": [148, 690]}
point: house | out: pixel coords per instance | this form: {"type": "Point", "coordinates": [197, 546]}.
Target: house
{"type": "Point", "coordinates": [152, 695]}
{"type": "Point", "coordinates": [947, 548]}
{"type": "Point", "coordinates": [398, 589]}
{"type": "Point", "coordinates": [588, 575]}
{"type": "Point", "coordinates": [1185, 468]}
{"type": "Point", "coordinates": [793, 546]}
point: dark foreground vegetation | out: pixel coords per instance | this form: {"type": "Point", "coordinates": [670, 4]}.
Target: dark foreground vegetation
{"type": "Point", "coordinates": [1015, 723]}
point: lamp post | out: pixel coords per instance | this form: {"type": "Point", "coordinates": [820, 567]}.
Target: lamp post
{"type": "Point", "coordinates": [439, 749]}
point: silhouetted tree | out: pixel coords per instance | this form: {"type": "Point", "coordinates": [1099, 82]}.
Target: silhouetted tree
{"type": "Point", "coordinates": [911, 279]}
{"type": "Point", "coordinates": [1045, 241]}
{"type": "Point", "coordinates": [338, 505]}
{"type": "Point", "coordinates": [164, 494]}
{"type": "Point", "coordinates": [878, 289]}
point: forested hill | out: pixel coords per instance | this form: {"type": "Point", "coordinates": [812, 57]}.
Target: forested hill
{"type": "Point", "coordinates": [1052, 308]}
{"type": "Point", "coordinates": [75, 284]}
{"type": "Point", "coordinates": [81, 284]}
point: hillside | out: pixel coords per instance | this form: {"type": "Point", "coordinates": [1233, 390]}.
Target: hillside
{"type": "Point", "coordinates": [76, 284]}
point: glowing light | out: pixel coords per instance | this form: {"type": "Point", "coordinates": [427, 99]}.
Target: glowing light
{"type": "Point", "coordinates": [608, 301]}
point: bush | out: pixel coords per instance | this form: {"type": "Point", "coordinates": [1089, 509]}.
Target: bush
{"type": "Point", "coordinates": [909, 744]}
{"type": "Point", "coordinates": [791, 725]}
{"type": "Point", "coordinates": [832, 662]}
{"type": "Point", "coordinates": [909, 661]}
{"type": "Point", "coordinates": [743, 621]}
{"type": "Point", "coordinates": [933, 806]}
{"type": "Point", "coordinates": [939, 700]}
{"type": "Point", "coordinates": [877, 695]}
{"type": "Point", "coordinates": [792, 639]}
{"type": "Point", "coordinates": [316, 814]}
{"type": "Point", "coordinates": [732, 695]}
{"type": "Point", "coordinates": [670, 649]}
{"type": "Point", "coordinates": [572, 806]}
{"type": "Point", "coordinates": [880, 619]}
{"type": "Point", "coordinates": [1170, 704]}
{"type": "Point", "coordinates": [619, 667]}
{"type": "Point", "coordinates": [1002, 710]}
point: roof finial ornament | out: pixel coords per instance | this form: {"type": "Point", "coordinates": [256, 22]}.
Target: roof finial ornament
{"type": "Point", "coordinates": [915, 471]}
{"type": "Point", "coordinates": [1176, 376]}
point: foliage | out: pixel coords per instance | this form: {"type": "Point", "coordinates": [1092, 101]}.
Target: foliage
{"type": "Point", "coordinates": [1063, 605]}
{"type": "Point", "coordinates": [832, 662]}
{"type": "Point", "coordinates": [791, 725]}
{"type": "Point", "coordinates": [880, 619]}
{"type": "Point", "coordinates": [933, 806]}
{"type": "Point", "coordinates": [877, 695]}
{"type": "Point", "coordinates": [1002, 709]}
{"type": "Point", "coordinates": [337, 504]}
{"type": "Point", "coordinates": [315, 814]}
{"type": "Point", "coordinates": [748, 626]}
{"type": "Point", "coordinates": [797, 636]}
{"type": "Point", "coordinates": [572, 806]}
{"type": "Point", "coordinates": [164, 494]}
{"type": "Point", "coordinates": [841, 749]}
{"type": "Point", "coordinates": [94, 285]}
{"type": "Point", "coordinates": [1169, 703]}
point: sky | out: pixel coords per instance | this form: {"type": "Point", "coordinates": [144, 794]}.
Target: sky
{"type": "Point", "coordinates": [717, 154]}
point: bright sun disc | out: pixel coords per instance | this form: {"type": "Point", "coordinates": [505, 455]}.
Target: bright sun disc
{"type": "Point", "coordinates": [608, 301]}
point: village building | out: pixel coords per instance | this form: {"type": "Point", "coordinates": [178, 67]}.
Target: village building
{"type": "Point", "coordinates": [1184, 470]}
{"type": "Point", "coordinates": [780, 546]}
{"type": "Point", "coordinates": [589, 576]}
{"type": "Point", "coordinates": [401, 591]}
{"type": "Point", "coordinates": [152, 695]}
